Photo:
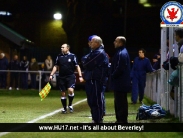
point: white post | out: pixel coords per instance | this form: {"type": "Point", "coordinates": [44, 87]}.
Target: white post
{"type": "Point", "coordinates": [161, 93]}
{"type": "Point", "coordinates": [170, 102]}
{"type": "Point", "coordinates": [181, 94]}
{"type": "Point", "coordinates": [176, 90]}
{"type": "Point", "coordinates": [158, 85]}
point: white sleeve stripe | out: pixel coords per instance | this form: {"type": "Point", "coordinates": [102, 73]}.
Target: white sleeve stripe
{"type": "Point", "coordinates": [117, 64]}
{"type": "Point", "coordinates": [94, 58]}
{"type": "Point", "coordinates": [56, 60]}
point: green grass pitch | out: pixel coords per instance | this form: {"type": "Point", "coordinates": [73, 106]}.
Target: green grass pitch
{"type": "Point", "coordinates": [23, 106]}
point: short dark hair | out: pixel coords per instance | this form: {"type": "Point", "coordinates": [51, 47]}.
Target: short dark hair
{"type": "Point", "coordinates": [143, 50]}
{"type": "Point", "coordinates": [179, 32]}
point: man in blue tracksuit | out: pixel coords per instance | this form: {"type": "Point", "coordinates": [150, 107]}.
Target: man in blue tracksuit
{"type": "Point", "coordinates": [120, 79]}
{"type": "Point", "coordinates": [106, 79]}
{"type": "Point", "coordinates": [141, 66]}
{"type": "Point", "coordinates": [96, 67]}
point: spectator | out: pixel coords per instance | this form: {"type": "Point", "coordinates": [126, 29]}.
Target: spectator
{"type": "Point", "coordinates": [14, 76]}
{"type": "Point", "coordinates": [166, 62]}
{"type": "Point", "coordinates": [3, 66]}
{"type": "Point", "coordinates": [120, 79]}
{"type": "Point", "coordinates": [141, 66]}
{"type": "Point", "coordinates": [157, 60]}
{"type": "Point", "coordinates": [179, 38]}
{"type": "Point", "coordinates": [33, 67]}
{"type": "Point", "coordinates": [174, 60]}
{"type": "Point", "coordinates": [48, 66]}
{"type": "Point", "coordinates": [24, 65]}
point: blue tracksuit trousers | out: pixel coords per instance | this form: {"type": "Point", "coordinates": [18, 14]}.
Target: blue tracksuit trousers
{"type": "Point", "coordinates": [103, 98]}
{"type": "Point", "coordinates": [138, 85]}
{"type": "Point", "coordinates": [94, 94]}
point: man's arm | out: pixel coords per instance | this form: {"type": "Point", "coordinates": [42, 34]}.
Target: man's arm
{"type": "Point", "coordinates": [93, 60]}
{"type": "Point", "coordinates": [79, 73]}
{"type": "Point", "coordinates": [79, 70]}
{"type": "Point", "coordinates": [149, 67]}
{"type": "Point", "coordinates": [27, 64]}
{"type": "Point", "coordinates": [53, 72]}
{"type": "Point", "coordinates": [181, 49]}
{"type": "Point", "coordinates": [46, 63]}
{"type": "Point", "coordinates": [83, 59]}
{"type": "Point", "coordinates": [132, 70]}
{"type": "Point", "coordinates": [155, 60]}
{"type": "Point", "coordinates": [120, 66]}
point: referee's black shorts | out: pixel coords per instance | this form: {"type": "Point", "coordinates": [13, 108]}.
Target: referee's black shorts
{"type": "Point", "coordinates": [66, 82]}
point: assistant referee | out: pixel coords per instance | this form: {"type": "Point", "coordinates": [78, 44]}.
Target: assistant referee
{"type": "Point", "coordinates": [67, 63]}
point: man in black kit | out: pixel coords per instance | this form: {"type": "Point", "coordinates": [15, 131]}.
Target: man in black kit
{"type": "Point", "coordinates": [67, 63]}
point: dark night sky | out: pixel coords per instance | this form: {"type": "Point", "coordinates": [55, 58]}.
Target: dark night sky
{"type": "Point", "coordinates": [142, 29]}
{"type": "Point", "coordinates": [31, 5]}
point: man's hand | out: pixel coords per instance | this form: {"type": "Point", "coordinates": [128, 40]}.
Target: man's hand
{"type": "Point", "coordinates": [155, 60]}
{"type": "Point", "coordinates": [51, 77]}
{"type": "Point", "coordinates": [81, 79]}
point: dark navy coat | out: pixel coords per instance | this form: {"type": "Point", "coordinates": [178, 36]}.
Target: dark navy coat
{"type": "Point", "coordinates": [96, 65]}
{"type": "Point", "coordinates": [4, 63]}
{"type": "Point", "coordinates": [120, 70]}
{"type": "Point", "coordinates": [140, 68]}
{"type": "Point", "coordinates": [14, 65]}
{"type": "Point", "coordinates": [24, 65]}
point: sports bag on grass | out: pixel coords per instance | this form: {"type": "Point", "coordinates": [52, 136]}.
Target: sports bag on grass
{"type": "Point", "coordinates": [150, 112]}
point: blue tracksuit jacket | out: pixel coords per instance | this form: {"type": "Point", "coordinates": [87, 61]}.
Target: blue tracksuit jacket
{"type": "Point", "coordinates": [96, 65]}
{"type": "Point", "coordinates": [120, 70]}
{"type": "Point", "coordinates": [140, 68]}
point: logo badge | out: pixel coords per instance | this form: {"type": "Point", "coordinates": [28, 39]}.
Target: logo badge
{"type": "Point", "coordinates": [171, 14]}
{"type": "Point", "coordinates": [69, 60]}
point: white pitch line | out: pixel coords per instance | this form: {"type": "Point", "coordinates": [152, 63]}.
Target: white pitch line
{"type": "Point", "coordinates": [44, 116]}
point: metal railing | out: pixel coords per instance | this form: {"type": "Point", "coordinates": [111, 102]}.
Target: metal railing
{"type": "Point", "coordinates": [39, 76]}
{"type": "Point", "coordinates": [39, 72]}
{"type": "Point", "coordinates": [158, 90]}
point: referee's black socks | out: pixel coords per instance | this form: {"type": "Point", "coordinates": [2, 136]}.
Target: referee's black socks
{"type": "Point", "coordinates": [71, 97]}
{"type": "Point", "coordinates": [64, 102]}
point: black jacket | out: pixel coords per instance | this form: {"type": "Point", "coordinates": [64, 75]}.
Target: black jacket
{"type": "Point", "coordinates": [14, 65]}
{"type": "Point", "coordinates": [4, 63]}
{"type": "Point", "coordinates": [24, 65]}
